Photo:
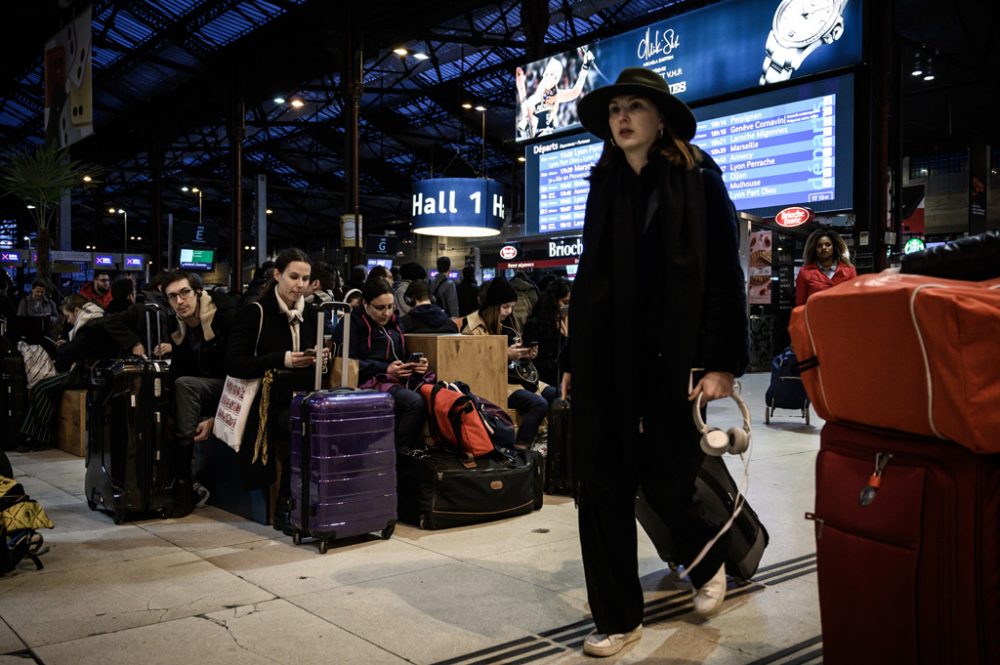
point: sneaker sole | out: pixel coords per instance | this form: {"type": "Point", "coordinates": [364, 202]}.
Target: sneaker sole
{"type": "Point", "coordinates": [611, 649]}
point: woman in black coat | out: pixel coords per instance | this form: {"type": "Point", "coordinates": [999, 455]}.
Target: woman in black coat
{"type": "Point", "coordinates": [379, 345]}
{"type": "Point", "coordinates": [277, 332]}
{"type": "Point", "coordinates": [661, 252]}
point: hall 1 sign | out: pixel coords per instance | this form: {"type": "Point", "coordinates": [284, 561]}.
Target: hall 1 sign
{"type": "Point", "coordinates": [458, 207]}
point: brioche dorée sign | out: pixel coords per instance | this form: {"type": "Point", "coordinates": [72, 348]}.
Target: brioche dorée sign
{"type": "Point", "coordinates": [508, 252]}
{"type": "Point", "coordinates": [792, 217]}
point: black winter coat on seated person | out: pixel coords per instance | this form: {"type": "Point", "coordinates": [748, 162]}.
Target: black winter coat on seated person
{"type": "Point", "coordinates": [374, 346]}
{"type": "Point", "coordinates": [428, 318]}
{"type": "Point", "coordinates": [247, 357]}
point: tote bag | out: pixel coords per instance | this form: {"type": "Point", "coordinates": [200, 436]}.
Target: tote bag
{"type": "Point", "coordinates": [236, 401]}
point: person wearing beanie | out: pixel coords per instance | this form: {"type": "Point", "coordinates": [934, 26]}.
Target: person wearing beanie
{"type": "Point", "coordinates": [408, 272]}
{"type": "Point", "coordinates": [641, 434]}
{"type": "Point", "coordinates": [530, 400]}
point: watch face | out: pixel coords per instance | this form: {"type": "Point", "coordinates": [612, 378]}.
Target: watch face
{"type": "Point", "coordinates": [798, 23]}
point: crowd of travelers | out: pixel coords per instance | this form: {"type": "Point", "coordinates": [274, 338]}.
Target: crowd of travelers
{"type": "Point", "coordinates": [209, 334]}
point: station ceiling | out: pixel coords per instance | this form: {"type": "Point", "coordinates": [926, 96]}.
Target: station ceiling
{"type": "Point", "coordinates": [166, 73]}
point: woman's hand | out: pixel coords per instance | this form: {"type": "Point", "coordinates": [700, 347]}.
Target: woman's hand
{"type": "Point", "coordinates": [139, 350]}
{"type": "Point", "coordinates": [302, 359]}
{"type": "Point", "coordinates": [532, 352]}
{"type": "Point", "coordinates": [714, 385]}
{"type": "Point", "coordinates": [399, 370]}
{"type": "Point", "coordinates": [162, 349]}
{"type": "Point", "coordinates": [516, 352]}
{"type": "Point", "coordinates": [421, 367]}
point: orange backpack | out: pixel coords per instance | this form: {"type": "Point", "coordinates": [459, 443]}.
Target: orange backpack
{"type": "Point", "coordinates": [455, 420]}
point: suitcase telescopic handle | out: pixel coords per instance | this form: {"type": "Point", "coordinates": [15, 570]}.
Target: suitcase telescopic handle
{"type": "Point", "coordinates": [151, 308]}
{"type": "Point", "coordinates": [335, 306]}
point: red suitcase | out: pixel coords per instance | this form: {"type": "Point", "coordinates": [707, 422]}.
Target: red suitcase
{"type": "Point", "coordinates": [908, 562]}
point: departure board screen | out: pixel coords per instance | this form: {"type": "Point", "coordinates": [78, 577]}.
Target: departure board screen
{"type": "Point", "coordinates": [558, 171]}
{"type": "Point", "coordinates": [791, 146]}
{"type": "Point", "coordinates": [785, 147]}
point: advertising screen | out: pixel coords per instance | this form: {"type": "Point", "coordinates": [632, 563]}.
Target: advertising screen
{"type": "Point", "coordinates": [196, 258]}
{"type": "Point", "coordinates": [709, 52]}
{"type": "Point", "coordinates": [104, 260]}
{"type": "Point", "coordinates": [385, 263]}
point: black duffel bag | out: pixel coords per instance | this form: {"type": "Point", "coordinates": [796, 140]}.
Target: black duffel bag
{"type": "Point", "coordinates": [440, 488]}
{"type": "Point", "coordinates": [973, 258]}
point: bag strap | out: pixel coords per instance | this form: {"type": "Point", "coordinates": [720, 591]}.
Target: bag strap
{"type": "Point", "coordinates": [432, 423]}
{"type": "Point", "coordinates": [260, 327]}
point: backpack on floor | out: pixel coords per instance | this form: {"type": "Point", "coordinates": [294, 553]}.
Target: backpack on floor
{"type": "Point", "coordinates": [457, 419]}
{"type": "Point", "coordinates": [20, 519]}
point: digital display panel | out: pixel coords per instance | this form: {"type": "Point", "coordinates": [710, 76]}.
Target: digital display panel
{"type": "Point", "coordinates": [196, 258]}
{"type": "Point", "coordinates": [8, 256]}
{"type": "Point", "coordinates": [133, 262]}
{"type": "Point", "coordinates": [104, 260]}
{"type": "Point", "coordinates": [556, 184]}
{"type": "Point", "coordinates": [452, 274]}
{"type": "Point", "coordinates": [385, 263]}
{"type": "Point", "coordinates": [784, 147]}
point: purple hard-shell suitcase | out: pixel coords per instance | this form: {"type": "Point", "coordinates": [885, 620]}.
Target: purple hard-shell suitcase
{"type": "Point", "coordinates": [343, 460]}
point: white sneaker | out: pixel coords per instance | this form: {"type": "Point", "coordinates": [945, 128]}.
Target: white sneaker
{"type": "Point", "coordinates": [603, 645]}
{"type": "Point", "coordinates": [708, 599]}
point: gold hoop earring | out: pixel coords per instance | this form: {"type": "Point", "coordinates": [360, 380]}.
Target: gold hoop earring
{"type": "Point", "coordinates": [612, 140]}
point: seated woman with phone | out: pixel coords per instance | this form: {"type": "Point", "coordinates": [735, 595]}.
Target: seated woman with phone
{"type": "Point", "coordinates": [378, 344]}
{"type": "Point", "coordinates": [525, 394]}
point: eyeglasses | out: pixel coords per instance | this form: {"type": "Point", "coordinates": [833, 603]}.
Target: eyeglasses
{"type": "Point", "coordinates": [180, 295]}
{"type": "Point", "coordinates": [382, 308]}
{"type": "Point", "coordinates": [103, 279]}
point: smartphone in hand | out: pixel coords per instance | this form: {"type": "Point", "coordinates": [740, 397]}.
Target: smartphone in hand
{"type": "Point", "coordinates": [414, 358]}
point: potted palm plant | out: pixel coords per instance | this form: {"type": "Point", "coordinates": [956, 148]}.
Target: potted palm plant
{"type": "Point", "coordinates": [38, 177]}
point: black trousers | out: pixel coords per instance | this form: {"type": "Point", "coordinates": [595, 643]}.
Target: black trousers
{"type": "Point", "coordinates": [663, 461]}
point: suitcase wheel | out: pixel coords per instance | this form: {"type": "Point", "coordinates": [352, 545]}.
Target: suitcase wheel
{"type": "Point", "coordinates": [118, 517]}
{"type": "Point", "coordinates": [386, 533]}
{"type": "Point", "coordinates": [767, 415]}
{"type": "Point", "coordinates": [296, 538]}
{"type": "Point", "coordinates": [324, 545]}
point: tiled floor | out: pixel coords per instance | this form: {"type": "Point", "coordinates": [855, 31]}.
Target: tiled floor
{"type": "Point", "coordinates": [212, 588]}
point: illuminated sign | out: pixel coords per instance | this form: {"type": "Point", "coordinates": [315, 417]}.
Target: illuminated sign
{"type": "Point", "coordinates": [914, 245]}
{"type": "Point", "coordinates": [10, 257]}
{"type": "Point", "coordinates": [792, 217]}
{"type": "Point", "coordinates": [508, 252]}
{"type": "Point", "coordinates": [104, 260]}
{"type": "Point", "coordinates": [133, 262]}
{"type": "Point", "coordinates": [458, 207]}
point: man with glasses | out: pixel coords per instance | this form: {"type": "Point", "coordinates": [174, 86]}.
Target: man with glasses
{"type": "Point", "coordinates": [197, 367]}
{"type": "Point", "coordinates": [98, 291]}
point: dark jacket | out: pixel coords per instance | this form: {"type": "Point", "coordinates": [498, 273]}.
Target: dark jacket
{"type": "Point", "coordinates": [702, 299]}
{"type": "Point", "coordinates": [374, 346]}
{"type": "Point", "coordinates": [128, 328]}
{"type": "Point", "coordinates": [246, 356]}
{"type": "Point", "coordinates": [549, 346]}
{"type": "Point", "coordinates": [90, 344]}
{"type": "Point", "coordinates": [468, 297]}
{"type": "Point", "coordinates": [813, 280]}
{"type": "Point", "coordinates": [217, 312]}
{"type": "Point", "coordinates": [428, 318]}
{"type": "Point", "coordinates": [444, 292]}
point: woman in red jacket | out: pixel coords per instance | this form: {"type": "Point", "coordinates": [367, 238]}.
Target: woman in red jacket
{"type": "Point", "coordinates": [827, 262]}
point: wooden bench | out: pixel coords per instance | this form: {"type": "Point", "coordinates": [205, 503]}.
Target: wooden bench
{"type": "Point", "coordinates": [72, 435]}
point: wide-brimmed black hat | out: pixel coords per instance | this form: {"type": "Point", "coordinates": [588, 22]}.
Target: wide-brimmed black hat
{"type": "Point", "coordinates": [593, 107]}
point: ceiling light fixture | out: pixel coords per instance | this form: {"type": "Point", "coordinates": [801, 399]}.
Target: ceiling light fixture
{"type": "Point", "coordinates": [400, 51]}
{"type": "Point", "coordinates": [87, 178]}
{"type": "Point", "coordinates": [297, 103]}
{"type": "Point", "coordinates": [929, 71]}
{"type": "Point", "coordinates": [420, 56]}
{"type": "Point", "coordinates": [467, 106]}
{"type": "Point", "coordinates": [279, 100]}
{"type": "Point", "coordinates": [918, 68]}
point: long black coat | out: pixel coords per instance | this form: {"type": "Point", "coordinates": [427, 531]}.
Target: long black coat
{"type": "Point", "coordinates": [702, 296]}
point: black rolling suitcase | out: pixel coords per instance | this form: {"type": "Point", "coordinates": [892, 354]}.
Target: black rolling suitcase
{"type": "Point", "coordinates": [715, 496]}
{"type": "Point", "coordinates": [786, 390]}
{"type": "Point", "coordinates": [129, 465]}
{"type": "Point", "coordinates": [440, 488]}
{"type": "Point", "coordinates": [13, 392]}
{"type": "Point", "coordinates": [558, 466]}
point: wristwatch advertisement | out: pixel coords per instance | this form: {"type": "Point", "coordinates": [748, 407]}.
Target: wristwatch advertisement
{"type": "Point", "coordinates": [798, 28]}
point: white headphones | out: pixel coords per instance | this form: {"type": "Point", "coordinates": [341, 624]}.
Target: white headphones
{"type": "Point", "coordinates": [716, 442]}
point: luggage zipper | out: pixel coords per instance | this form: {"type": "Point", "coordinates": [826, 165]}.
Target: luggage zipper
{"type": "Point", "coordinates": [868, 492]}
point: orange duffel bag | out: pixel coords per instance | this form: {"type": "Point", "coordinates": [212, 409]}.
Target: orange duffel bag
{"type": "Point", "coordinates": [906, 352]}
